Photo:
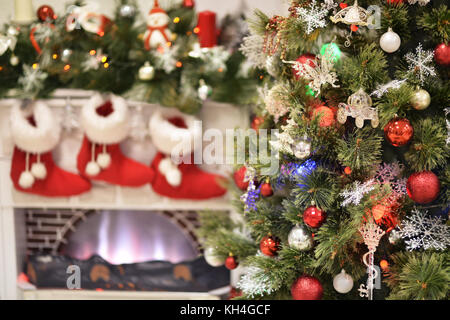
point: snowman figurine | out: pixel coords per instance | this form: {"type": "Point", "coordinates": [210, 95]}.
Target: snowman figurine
{"type": "Point", "coordinates": [158, 33]}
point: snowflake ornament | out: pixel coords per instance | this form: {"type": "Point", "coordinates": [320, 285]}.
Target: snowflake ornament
{"type": "Point", "coordinates": [43, 31]}
{"type": "Point", "coordinates": [421, 231]}
{"type": "Point", "coordinates": [330, 5]}
{"type": "Point", "coordinates": [93, 60]}
{"type": "Point", "coordinates": [32, 79]}
{"type": "Point", "coordinates": [167, 59]}
{"type": "Point", "coordinates": [420, 63]}
{"type": "Point", "coordinates": [447, 112]}
{"type": "Point", "coordinates": [356, 192]}
{"type": "Point", "coordinates": [215, 58]}
{"type": "Point", "coordinates": [314, 16]}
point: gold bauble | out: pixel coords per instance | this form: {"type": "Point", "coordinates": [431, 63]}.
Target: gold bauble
{"type": "Point", "coordinates": [420, 99]}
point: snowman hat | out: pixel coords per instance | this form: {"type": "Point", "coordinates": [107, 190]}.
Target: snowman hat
{"type": "Point", "coordinates": [156, 8]}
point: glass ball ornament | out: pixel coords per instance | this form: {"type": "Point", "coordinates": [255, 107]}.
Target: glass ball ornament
{"type": "Point", "coordinates": [204, 91]}
{"type": "Point", "coordinates": [269, 246]}
{"type": "Point", "coordinates": [307, 288]}
{"type": "Point", "coordinates": [390, 41]}
{"type": "Point", "coordinates": [14, 60]}
{"type": "Point", "coordinates": [66, 54]}
{"type": "Point", "coordinates": [211, 258]}
{"type": "Point", "coordinates": [442, 54]}
{"type": "Point", "coordinates": [394, 237]}
{"type": "Point", "coordinates": [343, 282]}
{"type": "Point", "coordinates": [306, 58]}
{"type": "Point", "coordinates": [423, 187]}
{"type": "Point", "coordinates": [127, 11]}
{"type": "Point", "coordinates": [302, 148]}
{"type": "Point", "coordinates": [326, 115]}
{"type": "Point", "coordinates": [314, 217]}
{"type": "Point", "coordinates": [420, 99]}
{"type": "Point", "coordinates": [46, 13]}
{"type": "Point", "coordinates": [398, 131]}
{"type": "Point", "coordinates": [300, 238]}
{"type": "Point", "coordinates": [146, 72]}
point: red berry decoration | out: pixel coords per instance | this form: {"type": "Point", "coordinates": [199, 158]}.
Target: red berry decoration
{"type": "Point", "coordinates": [46, 13]}
{"type": "Point", "coordinates": [239, 177]}
{"type": "Point", "coordinates": [326, 116]}
{"type": "Point", "coordinates": [398, 131]}
{"type": "Point", "coordinates": [257, 122]}
{"type": "Point", "coordinates": [314, 217]}
{"type": "Point", "coordinates": [266, 190]}
{"type": "Point", "coordinates": [231, 262]}
{"type": "Point", "coordinates": [269, 245]}
{"type": "Point", "coordinates": [307, 288]}
{"type": "Point", "coordinates": [423, 187]}
{"type": "Point", "coordinates": [442, 54]}
{"type": "Point", "coordinates": [306, 58]}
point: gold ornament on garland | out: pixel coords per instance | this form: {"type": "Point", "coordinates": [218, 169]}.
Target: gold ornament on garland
{"type": "Point", "coordinates": [359, 106]}
{"type": "Point", "coordinates": [420, 99]}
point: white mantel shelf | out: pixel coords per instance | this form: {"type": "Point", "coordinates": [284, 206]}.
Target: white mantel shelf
{"type": "Point", "coordinates": [62, 294]}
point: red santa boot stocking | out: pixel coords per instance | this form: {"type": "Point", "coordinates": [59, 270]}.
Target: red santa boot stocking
{"type": "Point", "coordinates": [106, 124]}
{"type": "Point", "coordinates": [35, 133]}
{"type": "Point", "coordinates": [184, 180]}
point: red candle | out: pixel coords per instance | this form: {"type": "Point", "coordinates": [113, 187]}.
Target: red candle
{"type": "Point", "coordinates": [207, 33]}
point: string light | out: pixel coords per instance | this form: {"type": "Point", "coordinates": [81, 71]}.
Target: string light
{"type": "Point", "coordinates": [106, 65]}
{"type": "Point", "coordinates": [196, 30]}
{"type": "Point", "coordinates": [35, 65]}
{"type": "Point", "coordinates": [67, 67]}
{"type": "Point", "coordinates": [176, 20]}
{"type": "Point", "coordinates": [179, 64]}
{"type": "Point", "coordinates": [92, 52]}
{"type": "Point", "coordinates": [220, 70]}
{"type": "Point", "coordinates": [55, 56]}
{"type": "Point", "coordinates": [189, 33]}
{"type": "Point", "coordinates": [104, 58]}
{"type": "Point", "coordinates": [1, 68]}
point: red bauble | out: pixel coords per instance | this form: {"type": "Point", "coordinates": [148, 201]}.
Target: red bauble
{"type": "Point", "coordinates": [314, 217]}
{"type": "Point", "coordinates": [394, 1]}
{"type": "Point", "coordinates": [231, 263]}
{"type": "Point", "coordinates": [398, 131]}
{"type": "Point", "coordinates": [307, 288]}
{"type": "Point", "coordinates": [423, 187]}
{"type": "Point", "coordinates": [188, 3]}
{"type": "Point", "coordinates": [269, 245]}
{"type": "Point", "coordinates": [266, 190]}
{"type": "Point", "coordinates": [234, 293]}
{"type": "Point", "coordinates": [46, 13]}
{"type": "Point", "coordinates": [239, 177]}
{"type": "Point", "coordinates": [257, 122]}
{"type": "Point", "coordinates": [306, 58]}
{"type": "Point", "coordinates": [442, 54]}
{"type": "Point", "coordinates": [326, 116]}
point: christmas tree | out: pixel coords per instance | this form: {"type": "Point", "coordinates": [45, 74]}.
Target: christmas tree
{"type": "Point", "coordinates": [357, 209]}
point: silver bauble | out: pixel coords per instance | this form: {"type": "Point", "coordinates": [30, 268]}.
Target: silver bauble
{"type": "Point", "coordinates": [300, 238]}
{"type": "Point", "coordinates": [127, 11]}
{"type": "Point", "coordinates": [394, 237]}
{"type": "Point", "coordinates": [65, 55]}
{"type": "Point", "coordinates": [146, 72]}
{"type": "Point", "coordinates": [211, 258]}
{"type": "Point", "coordinates": [343, 282]}
{"type": "Point", "coordinates": [420, 99]}
{"type": "Point", "coordinates": [302, 148]}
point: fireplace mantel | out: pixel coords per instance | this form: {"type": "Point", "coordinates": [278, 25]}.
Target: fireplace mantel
{"type": "Point", "coordinates": [12, 229]}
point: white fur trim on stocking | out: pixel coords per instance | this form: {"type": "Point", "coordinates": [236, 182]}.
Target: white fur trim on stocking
{"type": "Point", "coordinates": [166, 136]}
{"type": "Point", "coordinates": [34, 139]}
{"type": "Point", "coordinates": [105, 130]}
{"type": "Point", "coordinates": [170, 171]}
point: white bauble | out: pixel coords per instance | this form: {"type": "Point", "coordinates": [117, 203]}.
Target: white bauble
{"type": "Point", "coordinates": [92, 168]}
{"type": "Point", "coordinates": [343, 282]}
{"type": "Point", "coordinates": [26, 180]}
{"type": "Point", "coordinates": [38, 170]}
{"type": "Point", "coordinates": [14, 60]}
{"type": "Point", "coordinates": [390, 41]}
{"type": "Point", "coordinates": [204, 91]}
{"type": "Point", "coordinates": [300, 238]}
{"type": "Point", "coordinates": [211, 258]}
{"type": "Point", "coordinates": [104, 160]}
{"type": "Point", "coordinates": [146, 72]}
{"type": "Point", "coordinates": [173, 177]}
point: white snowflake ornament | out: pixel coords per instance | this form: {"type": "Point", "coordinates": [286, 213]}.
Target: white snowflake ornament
{"type": "Point", "coordinates": [420, 63]}
{"type": "Point", "coordinates": [314, 16]}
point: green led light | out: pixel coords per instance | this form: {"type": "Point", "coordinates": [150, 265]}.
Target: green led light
{"type": "Point", "coordinates": [309, 91]}
{"type": "Point", "coordinates": [334, 51]}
